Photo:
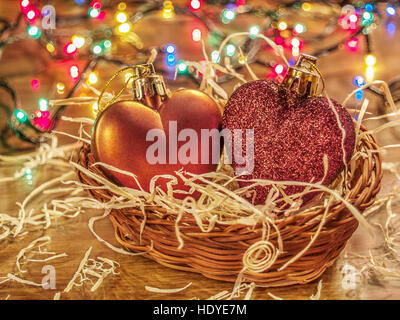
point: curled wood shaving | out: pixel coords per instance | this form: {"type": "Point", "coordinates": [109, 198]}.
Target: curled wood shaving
{"type": "Point", "coordinates": [15, 278]}
{"type": "Point", "coordinates": [88, 270]}
{"type": "Point", "coordinates": [250, 292]}
{"type": "Point", "coordinates": [27, 250]}
{"type": "Point", "coordinates": [274, 296]}
{"type": "Point", "coordinates": [158, 290]}
{"type": "Point", "coordinates": [228, 295]}
{"type": "Point", "coordinates": [317, 295]}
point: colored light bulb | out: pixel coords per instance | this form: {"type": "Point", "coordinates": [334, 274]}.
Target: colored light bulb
{"type": "Point", "coordinates": [121, 17]}
{"type": "Point", "coordinates": [215, 56]}
{"type": "Point", "coordinates": [359, 94]}
{"type": "Point", "coordinates": [94, 13]}
{"type": "Point", "coordinates": [195, 4]}
{"type": "Point", "coordinates": [50, 47]}
{"type": "Point", "coordinates": [306, 6]}
{"type": "Point", "coordinates": [168, 10]}
{"type": "Point", "coordinates": [31, 15]}
{"type": "Point", "coordinates": [95, 108]}
{"type": "Point", "coordinates": [352, 44]}
{"type": "Point", "coordinates": [20, 115]}
{"type": "Point", "coordinates": [60, 87]}
{"type": "Point", "coordinates": [390, 28]}
{"type": "Point", "coordinates": [124, 28]}
{"type": "Point", "coordinates": [390, 10]}
{"type": "Point", "coordinates": [299, 28]}
{"type": "Point", "coordinates": [97, 49]}
{"type": "Point", "coordinates": [367, 15]}
{"type": "Point", "coordinates": [369, 73]}
{"type": "Point", "coordinates": [43, 104]}
{"type": "Point", "coordinates": [182, 67]}
{"type": "Point", "coordinates": [70, 49]}
{"type": "Point", "coordinates": [228, 15]}
{"type": "Point", "coordinates": [74, 71]}
{"type": "Point", "coordinates": [282, 25]}
{"type": "Point", "coordinates": [370, 60]}
{"type": "Point", "coordinates": [358, 81]}
{"type": "Point", "coordinates": [278, 69]}
{"type": "Point", "coordinates": [35, 84]}
{"type": "Point", "coordinates": [170, 48]}
{"type": "Point", "coordinates": [107, 44]}
{"type": "Point", "coordinates": [78, 41]}
{"type": "Point", "coordinates": [121, 6]}
{"type": "Point", "coordinates": [254, 30]}
{"type": "Point", "coordinates": [196, 35]}
{"type": "Point", "coordinates": [34, 32]}
{"type": "Point", "coordinates": [369, 7]}
{"type": "Point", "coordinates": [95, 5]}
{"type": "Point", "coordinates": [353, 18]}
{"type": "Point", "coordinates": [92, 78]}
{"type": "Point", "coordinates": [25, 3]}
{"type": "Point", "coordinates": [295, 42]}
{"type": "Point", "coordinates": [230, 50]}
{"type": "Point", "coordinates": [170, 59]}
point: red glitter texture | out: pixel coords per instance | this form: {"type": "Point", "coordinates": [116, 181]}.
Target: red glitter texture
{"type": "Point", "coordinates": [292, 134]}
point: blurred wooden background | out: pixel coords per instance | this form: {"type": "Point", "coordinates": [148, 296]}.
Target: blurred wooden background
{"type": "Point", "coordinates": [25, 59]}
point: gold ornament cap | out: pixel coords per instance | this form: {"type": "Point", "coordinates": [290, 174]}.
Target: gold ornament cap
{"type": "Point", "coordinates": [303, 77]}
{"type": "Point", "coordinates": [148, 87]}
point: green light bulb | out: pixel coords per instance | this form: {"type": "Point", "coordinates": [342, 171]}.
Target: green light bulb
{"type": "Point", "coordinates": [182, 67]}
{"type": "Point", "coordinates": [20, 115]}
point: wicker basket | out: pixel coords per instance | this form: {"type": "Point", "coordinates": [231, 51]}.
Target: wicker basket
{"type": "Point", "coordinates": [218, 254]}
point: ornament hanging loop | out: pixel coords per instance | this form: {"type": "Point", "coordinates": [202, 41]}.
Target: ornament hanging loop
{"type": "Point", "coordinates": [147, 86]}
{"type": "Point", "coordinates": [304, 76]}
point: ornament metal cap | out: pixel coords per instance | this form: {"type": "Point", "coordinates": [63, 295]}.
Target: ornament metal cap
{"type": "Point", "coordinates": [303, 77]}
{"type": "Point", "coordinates": [148, 87]}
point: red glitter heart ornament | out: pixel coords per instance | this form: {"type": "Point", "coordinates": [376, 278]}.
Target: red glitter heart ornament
{"type": "Point", "coordinates": [292, 133]}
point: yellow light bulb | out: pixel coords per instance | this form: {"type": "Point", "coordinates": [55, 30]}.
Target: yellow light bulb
{"type": "Point", "coordinates": [50, 48]}
{"type": "Point", "coordinates": [295, 42]}
{"type": "Point", "coordinates": [370, 60]}
{"type": "Point", "coordinates": [121, 6]}
{"type": "Point", "coordinates": [121, 17]}
{"type": "Point", "coordinates": [124, 28]}
{"type": "Point", "coordinates": [282, 25]}
{"type": "Point", "coordinates": [369, 73]}
{"type": "Point", "coordinates": [306, 6]}
{"type": "Point", "coordinates": [242, 59]}
{"type": "Point", "coordinates": [95, 109]}
{"type": "Point", "coordinates": [92, 78]}
{"type": "Point", "coordinates": [78, 41]}
{"type": "Point", "coordinates": [60, 87]}
{"type": "Point", "coordinates": [168, 10]}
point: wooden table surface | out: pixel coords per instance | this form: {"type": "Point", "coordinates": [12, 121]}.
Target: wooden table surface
{"type": "Point", "coordinates": [25, 59]}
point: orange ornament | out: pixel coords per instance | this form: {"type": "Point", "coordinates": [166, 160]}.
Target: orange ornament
{"type": "Point", "coordinates": [153, 134]}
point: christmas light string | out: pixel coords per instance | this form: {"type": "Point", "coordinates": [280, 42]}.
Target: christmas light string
{"type": "Point", "coordinates": [26, 128]}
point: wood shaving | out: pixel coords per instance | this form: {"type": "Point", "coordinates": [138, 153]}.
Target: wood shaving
{"type": "Point", "coordinates": [158, 290]}
{"type": "Point", "coordinates": [317, 295]}
{"type": "Point", "coordinates": [28, 250]}
{"type": "Point", "coordinates": [90, 270]}
{"type": "Point", "coordinates": [274, 296]}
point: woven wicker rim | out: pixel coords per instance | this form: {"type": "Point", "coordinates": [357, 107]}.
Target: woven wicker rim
{"type": "Point", "coordinates": [219, 254]}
